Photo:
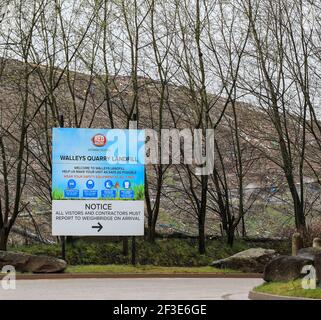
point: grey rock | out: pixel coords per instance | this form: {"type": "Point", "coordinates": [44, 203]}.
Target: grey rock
{"type": "Point", "coordinates": [251, 260]}
{"type": "Point", "coordinates": [309, 253]}
{"type": "Point", "coordinates": [285, 268]}
{"type": "Point", "coordinates": [317, 243]}
{"type": "Point", "coordinates": [314, 254]}
{"type": "Point", "coordinates": [24, 262]}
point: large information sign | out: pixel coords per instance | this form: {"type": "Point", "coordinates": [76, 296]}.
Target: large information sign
{"type": "Point", "coordinates": [97, 182]}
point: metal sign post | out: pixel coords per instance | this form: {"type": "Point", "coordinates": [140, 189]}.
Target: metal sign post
{"type": "Point", "coordinates": [134, 126]}
{"type": "Point", "coordinates": [62, 238]}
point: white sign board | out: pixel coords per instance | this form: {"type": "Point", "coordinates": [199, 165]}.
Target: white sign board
{"type": "Point", "coordinates": [98, 217]}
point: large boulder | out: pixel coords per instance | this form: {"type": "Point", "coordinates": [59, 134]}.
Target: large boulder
{"type": "Point", "coordinates": [309, 253]}
{"type": "Point", "coordinates": [314, 254]}
{"type": "Point", "coordinates": [251, 260]}
{"type": "Point", "coordinates": [24, 262]}
{"type": "Point", "coordinates": [285, 268]}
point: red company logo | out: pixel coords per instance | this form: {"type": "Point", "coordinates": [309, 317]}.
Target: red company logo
{"type": "Point", "coordinates": [99, 140]}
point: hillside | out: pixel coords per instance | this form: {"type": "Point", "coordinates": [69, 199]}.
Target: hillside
{"type": "Point", "coordinates": [97, 101]}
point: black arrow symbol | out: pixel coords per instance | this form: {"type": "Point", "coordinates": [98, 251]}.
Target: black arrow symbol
{"type": "Point", "coordinates": [99, 227]}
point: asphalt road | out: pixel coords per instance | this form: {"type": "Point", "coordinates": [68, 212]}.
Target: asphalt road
{"type": "Point", "coordinates": [132, 289]}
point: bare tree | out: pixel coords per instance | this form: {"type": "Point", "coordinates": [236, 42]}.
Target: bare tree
{"type": "Point", "coordinates": [271, 88]}
{"type": "Point", "coordinates": [14, 133]}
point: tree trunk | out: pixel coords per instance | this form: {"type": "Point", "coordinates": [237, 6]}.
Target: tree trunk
{"type": "Point", "coordinates": [230, 236]}
{"type": "Point", "coordinates": [152, 230]}
{"type": "Point", "coordinates": [243, 227]}
{"type": "Point", "coordinates": [150, 233]}
{"type": "Point", "coordinates": [4, 234]}
{"type": "Point", "coordinates": [152, 219]}
{"type": "Point", "coordinates": [300, 222]}
{"type": "Point", "coordinates": [202, 215]}
{"type": "Point", "coordinates": [151, 224]}
{"type": "Point", "coordinates": [125, 246]}
{"type": "Point", "coordinates": [201, 236]}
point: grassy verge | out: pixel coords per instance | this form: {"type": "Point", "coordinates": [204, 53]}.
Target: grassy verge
{"type": "Point", "coordinates": [290, 289]}
{"type": "Point", "coordinates": [143, 269]}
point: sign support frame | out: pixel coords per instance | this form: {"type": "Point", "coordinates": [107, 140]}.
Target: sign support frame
{"type": "Point", "coordinates": [63, 238]}
{"type": "Point", "coordinates": [133, 256]}
{"type": "Point", "coordinates": [133, 125]}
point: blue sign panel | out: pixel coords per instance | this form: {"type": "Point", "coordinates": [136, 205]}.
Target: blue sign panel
{"type": "Point", "coordinates": [97, 164]}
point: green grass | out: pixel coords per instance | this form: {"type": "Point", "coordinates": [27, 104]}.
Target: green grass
{"type": "Point", "coordinates": [290, 289]}
{"type": "Point", "coordinates": [143, 269]}
{"type": "Point", "coordinates": [57, 194]}
{"type": "Point", "coordinates": [139, 192]}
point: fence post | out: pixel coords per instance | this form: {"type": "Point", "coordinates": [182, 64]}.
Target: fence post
{"type": "Point", "coordinates": [297, 243]}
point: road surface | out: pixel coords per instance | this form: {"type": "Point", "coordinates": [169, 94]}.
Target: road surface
{"type": "Point", "coordinates": [132, 289]}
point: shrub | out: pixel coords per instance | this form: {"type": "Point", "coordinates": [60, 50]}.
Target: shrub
{"type": "Point", "coordinates": [163, 252]}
